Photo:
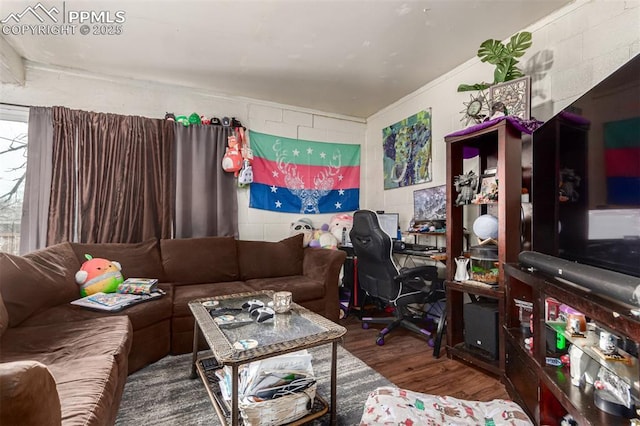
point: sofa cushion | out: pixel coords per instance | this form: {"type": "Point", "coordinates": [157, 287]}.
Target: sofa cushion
{"type": "Point", "coordinates": [75, 341]}
{"type": "Point", "coordinates": [183, 294]}
{"type": "Point", "coordinates": [38, 280]}
{"type": "Point", "coordinates": [90, 390]}
{"type": "Point", "coordinates": [23, 384]}
{"type": "Point", "coordinates": [141, 315]}
{"type": "Point", "coordinates": [200, 260]}
{"type": "Point", "coordinates": [265, 259]}
{"type": "Point", "coordinates": [138, 260]}
{"type": "Point", "coordinates": [302, 288]}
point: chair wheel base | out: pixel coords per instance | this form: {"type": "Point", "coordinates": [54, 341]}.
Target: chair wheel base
{"type": "Point", "coordinates": [380, 341]}
{"type": "Point", "coordinates": [365, 325]}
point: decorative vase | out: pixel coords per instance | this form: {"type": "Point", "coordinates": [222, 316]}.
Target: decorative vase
{"type": "Point", "coordinates": [462, 274]}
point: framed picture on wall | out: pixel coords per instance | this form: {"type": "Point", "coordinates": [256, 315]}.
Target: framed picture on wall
{"type": "Point", "coordinates": [515, 95]}
{"type": "Point", "coordinates": [406, 146]}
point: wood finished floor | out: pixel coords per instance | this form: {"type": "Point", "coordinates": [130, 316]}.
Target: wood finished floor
{"type": "Point", "coordinates": [406, 360]}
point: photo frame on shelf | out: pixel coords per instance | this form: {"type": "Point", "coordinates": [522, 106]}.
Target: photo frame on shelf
{"type": "Point", "coordinates": [515, 95]}
{"type": "Point", "coordinates": [487, 188]}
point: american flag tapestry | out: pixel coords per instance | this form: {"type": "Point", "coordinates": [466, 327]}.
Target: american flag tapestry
{"type": "Point", "coordinates": [299, 176]}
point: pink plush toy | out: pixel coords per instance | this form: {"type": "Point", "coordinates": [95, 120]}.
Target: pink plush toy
{"type": "Point", "coordinates": [340, 226]}
{"type": "Point", "coordinates": [98, 275]}
{"type": "Point", "coordinates": [232, 160]}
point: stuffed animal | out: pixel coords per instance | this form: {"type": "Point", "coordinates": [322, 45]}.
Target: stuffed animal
{"type": "Point", "coordinates": [182, 119]}
{"type": "Point", "coordinates": [232, 160]}
{"type": "Point", "coordinates": [302, 226]}
{"type": "Point", "coordinates": [194, 119]}
{"type": "Point", "coordinates": [322, 238]}
{"type": "Point", "coordinates": [340, 226]}
{"type": "Point", "coordinates": [245, 177]}
{"type": "Point", "coordinates": [98, 275]}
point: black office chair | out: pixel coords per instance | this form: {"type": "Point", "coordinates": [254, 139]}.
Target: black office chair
{"type": "Point", "coordinates": [381, 279]}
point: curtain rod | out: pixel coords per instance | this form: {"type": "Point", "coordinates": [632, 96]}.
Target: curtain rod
{"type": "Point", "coordinates": [16, 105]}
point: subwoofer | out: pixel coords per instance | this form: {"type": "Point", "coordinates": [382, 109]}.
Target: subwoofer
{"type": "Point", "coordinates": [481, 327]}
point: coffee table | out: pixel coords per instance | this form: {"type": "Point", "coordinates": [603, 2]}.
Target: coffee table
{"type": "Point", "coordinates": [288, 332]}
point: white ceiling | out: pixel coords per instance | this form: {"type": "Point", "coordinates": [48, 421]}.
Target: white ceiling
{"type": "Point", "coordinates": [351, 57]}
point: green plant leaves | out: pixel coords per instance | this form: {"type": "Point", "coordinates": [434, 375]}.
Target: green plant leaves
{"type": "Point", "coordinates": [507, 71]}
{"type": "Point", "coordinates": [518, 44]}
{"type": "Point", "coordinates": [473, 87]}
{"type": "Point", "coordinates": [492, 51]}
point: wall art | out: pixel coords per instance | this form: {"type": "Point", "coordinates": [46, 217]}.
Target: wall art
{"type": "Point", "coordinates": [407, 151]}
{"type": "Point", "coordinates": [515, 95]}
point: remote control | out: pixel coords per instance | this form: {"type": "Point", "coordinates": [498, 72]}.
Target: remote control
{"type": "Point", "coordinates": [209, 364]}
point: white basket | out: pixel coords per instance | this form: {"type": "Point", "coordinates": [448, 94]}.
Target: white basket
{"type": "Point", "coordinates": [278, 411]}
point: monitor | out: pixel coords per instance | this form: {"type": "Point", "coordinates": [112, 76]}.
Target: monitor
{"type": "Point", "coordinates": [389, 222]}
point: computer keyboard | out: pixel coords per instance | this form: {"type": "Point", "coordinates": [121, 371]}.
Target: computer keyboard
{"type": "Point", "coordinates": [420, 247]}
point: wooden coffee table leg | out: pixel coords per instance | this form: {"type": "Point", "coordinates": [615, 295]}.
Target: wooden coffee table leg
{"type": "Point", "coordinates": [195, 350]}
{"type": "Point", "coordinates": [235, 412]}
{"type": "Point", "coordinates": [334, 385]}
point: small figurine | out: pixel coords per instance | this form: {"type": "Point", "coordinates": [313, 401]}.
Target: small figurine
{"type": "Point", "coordinates": [465, 186]}
{"type": "Point", "coordinates": [569, 181]}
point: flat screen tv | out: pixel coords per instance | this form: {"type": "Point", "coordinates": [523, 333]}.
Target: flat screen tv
{"type": "Point", "coordinates": [586, 177]}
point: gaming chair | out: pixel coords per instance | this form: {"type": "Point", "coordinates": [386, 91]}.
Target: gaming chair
{"type": "Point", "coordinates": [381, 279]}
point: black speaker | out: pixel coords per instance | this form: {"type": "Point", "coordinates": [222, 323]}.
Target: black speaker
{"type": "Point", "coordinates": [619, 287]}
{"type": "Point", "coordinates": [481, 327]}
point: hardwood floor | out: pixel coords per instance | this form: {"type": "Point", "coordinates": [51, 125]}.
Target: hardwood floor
{"type": "Point", "coordinates": [407, 360]}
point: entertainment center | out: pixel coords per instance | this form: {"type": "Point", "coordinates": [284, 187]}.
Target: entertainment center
{"type": "Point", "coordinates": [567, 300]}
{"type": "Point", "coordinates": [572, 304]}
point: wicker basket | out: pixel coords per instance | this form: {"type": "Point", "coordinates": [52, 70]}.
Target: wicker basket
{"type": "Point", "coordinates": [278, 411]}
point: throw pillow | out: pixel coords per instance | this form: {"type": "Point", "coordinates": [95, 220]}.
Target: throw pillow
{"type": "Point", "coordinates": [37, 280]}
{"type": "Point", "coordinates": [265, 259]}
{"type": "Point", "coordinates": [137, 260]}
{"type": "Point", "coordinates": [200, 260]}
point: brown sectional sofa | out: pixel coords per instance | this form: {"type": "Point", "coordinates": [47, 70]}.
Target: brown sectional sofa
{"type": "Point", "coordinates": [47, 343]}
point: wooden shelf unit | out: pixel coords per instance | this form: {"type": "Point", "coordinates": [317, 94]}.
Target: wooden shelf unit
{"type": "Point", "coordinates": [527, 374]}
{"type": "Point", "coordinates": [499, 146]}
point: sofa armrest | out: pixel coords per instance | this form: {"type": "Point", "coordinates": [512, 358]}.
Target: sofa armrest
{"type": "Point", "coordinates": [28, 394]}
{"type": "Point", "coordinates": [324, 265]}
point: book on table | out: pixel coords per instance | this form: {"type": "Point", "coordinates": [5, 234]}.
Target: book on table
{"type": "Point", "coordinates": [113, 302]}
{"type": "Point", "coordinates": [138, 286]}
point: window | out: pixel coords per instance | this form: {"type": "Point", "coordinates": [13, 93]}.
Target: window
{"type": "Point", "coordinates": [13, 166]}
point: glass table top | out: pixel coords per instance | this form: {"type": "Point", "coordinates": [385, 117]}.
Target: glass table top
{"type": "Point", "coordinates": [234, 334]}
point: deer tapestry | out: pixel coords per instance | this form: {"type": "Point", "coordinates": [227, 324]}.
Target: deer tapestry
{"type": "Point", "coordinates": [407, 151]}
{"type": "Point", "coordinates": [305, 177]}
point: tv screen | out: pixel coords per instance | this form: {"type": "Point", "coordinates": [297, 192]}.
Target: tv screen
{"type": "Point", "coordinates": [389, 223]}
{"type": "Point", "coordinates": [430, 204]}
{"type": "Point", "coordinates": [586, 177]}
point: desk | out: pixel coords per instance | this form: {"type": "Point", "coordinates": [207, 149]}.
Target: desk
{"type": "Point", "coordinates": [424, 255]}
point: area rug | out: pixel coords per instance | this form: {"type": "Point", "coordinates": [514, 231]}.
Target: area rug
{"type": "Point", "coordinates": [163, 394]}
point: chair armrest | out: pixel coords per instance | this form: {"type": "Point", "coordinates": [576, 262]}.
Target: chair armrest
{"type": "Point", "coordinates": [427, 272]}
{"type": "Point", "coordinates": [324, 265]}
{"type": "Point", "coordinates": [28, 394]}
